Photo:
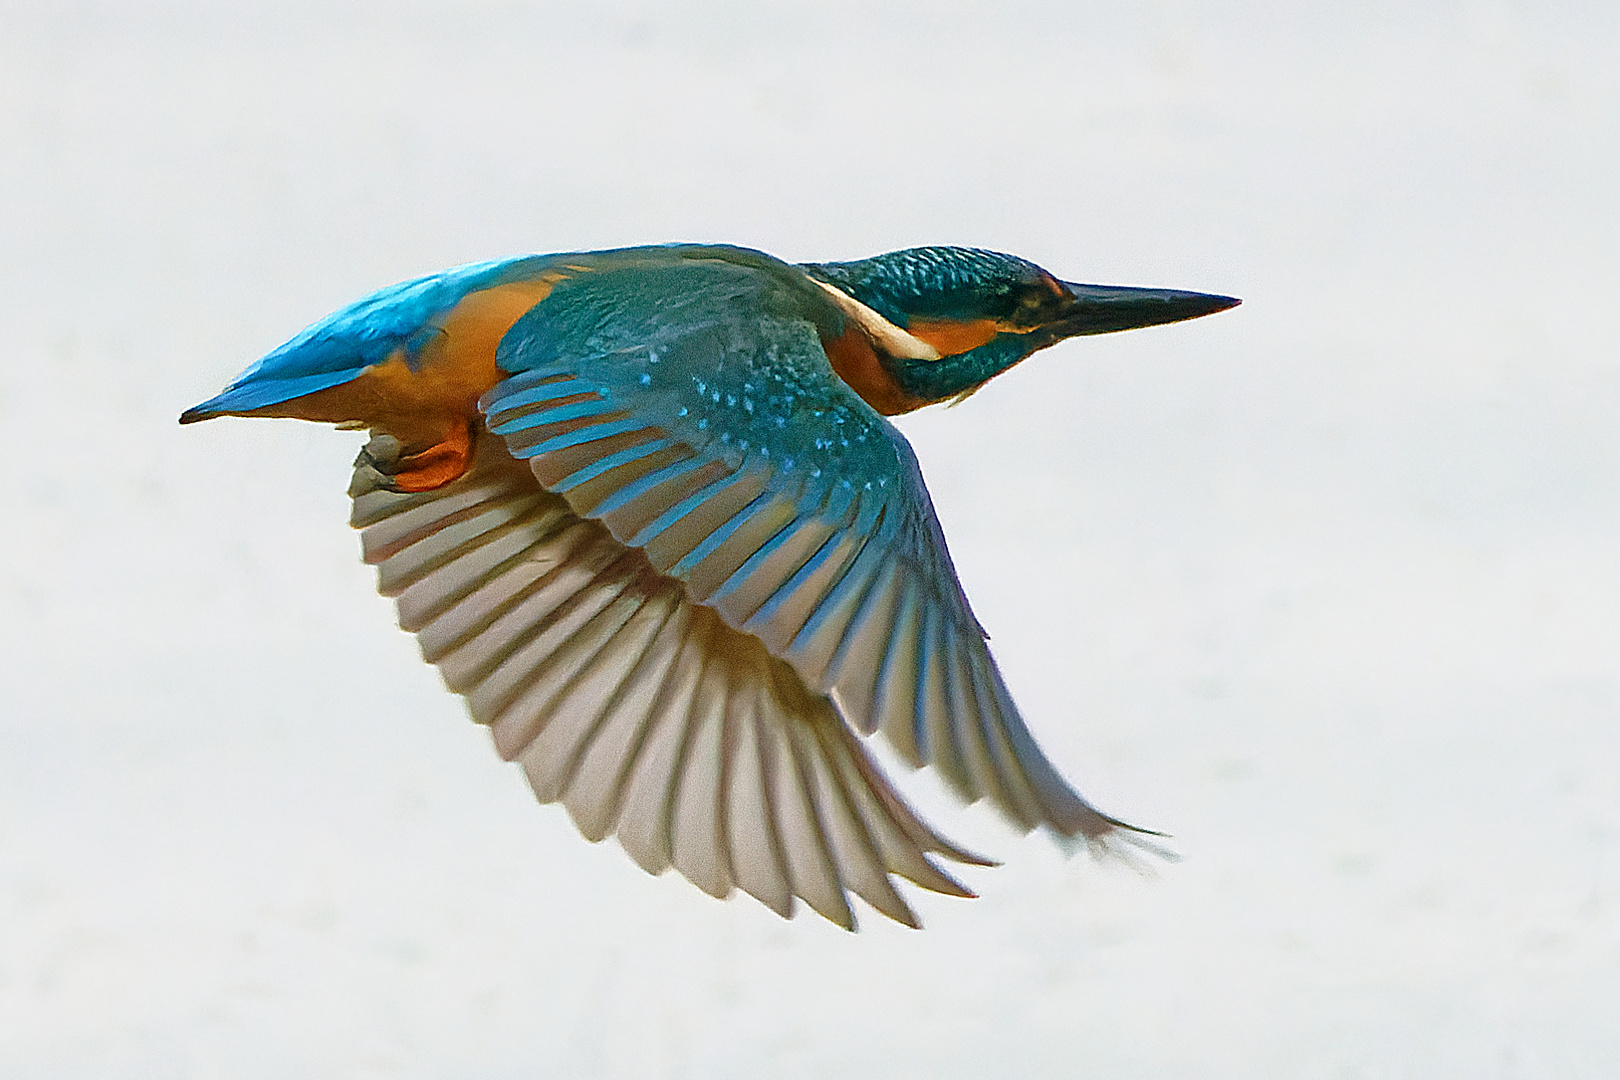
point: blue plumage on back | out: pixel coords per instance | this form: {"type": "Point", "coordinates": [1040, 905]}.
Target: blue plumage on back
{"type": "Point", "coordinates": [367, 332]}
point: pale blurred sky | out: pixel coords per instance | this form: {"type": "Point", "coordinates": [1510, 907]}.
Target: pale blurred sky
{"type": "Point", "coordinates": [1326, 586]}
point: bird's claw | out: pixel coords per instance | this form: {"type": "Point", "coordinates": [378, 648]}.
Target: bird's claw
{"type": "Point", "coordinates": [406, 470]}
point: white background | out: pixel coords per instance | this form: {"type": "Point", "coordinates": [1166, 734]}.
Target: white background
{"type": "Point", "coordinates": [1326, 586]}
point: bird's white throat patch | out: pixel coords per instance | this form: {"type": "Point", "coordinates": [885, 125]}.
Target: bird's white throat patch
{"type": "Point", "coordinates": [884, 334]}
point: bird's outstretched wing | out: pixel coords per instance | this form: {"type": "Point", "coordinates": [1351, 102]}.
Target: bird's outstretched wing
{"type": "Point", "coordinates": [641, 711]}
{"type": "Point", "coordinates": [691, 410]}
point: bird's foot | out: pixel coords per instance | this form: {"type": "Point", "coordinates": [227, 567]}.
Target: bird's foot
{"type": "Point", "coordinates": [408, 470]}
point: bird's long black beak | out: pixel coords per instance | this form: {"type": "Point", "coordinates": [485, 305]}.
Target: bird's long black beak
{"type": "Point", "coordinates": [1103, 309]}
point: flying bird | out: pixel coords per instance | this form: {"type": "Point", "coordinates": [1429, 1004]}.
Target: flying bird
{"type": "Point", "coordinates": [642, 509]}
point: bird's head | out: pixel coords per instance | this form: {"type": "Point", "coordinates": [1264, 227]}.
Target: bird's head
{"type": "Point", "coordinates": [980, 312]}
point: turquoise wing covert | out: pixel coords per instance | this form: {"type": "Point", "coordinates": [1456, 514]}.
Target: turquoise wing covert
{"type": "Point", "coordinates": [691, 409]}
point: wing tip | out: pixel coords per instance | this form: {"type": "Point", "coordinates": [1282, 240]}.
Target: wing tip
{"type": "Point", "coordinates": [1115, 840]}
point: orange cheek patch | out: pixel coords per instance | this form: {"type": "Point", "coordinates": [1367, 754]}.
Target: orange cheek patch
{"type": "Point", "coordinates": [951, 336]}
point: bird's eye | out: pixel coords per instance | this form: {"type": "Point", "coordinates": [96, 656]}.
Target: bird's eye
{"type": "Point", "coordinates": [1035, 306]}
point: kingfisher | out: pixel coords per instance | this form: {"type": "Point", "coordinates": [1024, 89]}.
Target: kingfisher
{"type": "Point", "coordinates": [643, 510]}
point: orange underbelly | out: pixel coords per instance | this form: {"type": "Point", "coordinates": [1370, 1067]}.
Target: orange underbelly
{"type": "Point", "coordinates": [423, 403]}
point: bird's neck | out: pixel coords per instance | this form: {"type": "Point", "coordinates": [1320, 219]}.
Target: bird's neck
{"type": "Point", "coordinates": [951, 376]}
